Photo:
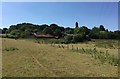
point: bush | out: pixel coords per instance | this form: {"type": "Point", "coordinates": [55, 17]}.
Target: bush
{"type": "Point", "coordinates": [94, 35]}
{"type": "Point", "coordinates": [11, 49]}
{"type": "Point", "coordinates": [78, 38]}
{"type": "Point", "coordinates": [69, 38]}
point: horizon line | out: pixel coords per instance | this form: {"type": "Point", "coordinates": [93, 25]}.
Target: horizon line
{"type": "Point", "coordinates": [56, 24]}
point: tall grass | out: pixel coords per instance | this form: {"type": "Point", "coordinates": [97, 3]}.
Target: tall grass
{"type": "Point", "coordinates": [46, 40]}
{"type": "Point", "coordinates": [104, 57]}
{"type": "Point", "coordinates": [10, 49]}
{"type": "Point", "coordinates": [106, 43]}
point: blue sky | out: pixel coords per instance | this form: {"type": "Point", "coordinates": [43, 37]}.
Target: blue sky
{"type": "Point", "coordinates": [65, 14]}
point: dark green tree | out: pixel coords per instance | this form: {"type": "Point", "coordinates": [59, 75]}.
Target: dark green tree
{"type": "Point", "coordinates": [102, 28]}
{"type": "Point", "coordinates": [68, 38]}
{"type": "Point", "coordinates": [48, 30]}
{"type": "Point", "coordinates": [4, 31]}
{"type": "Point", "coordinates": [15, 33]}
{"type": "Point", "coordinates": [58, 32]}
{"type": "Point", "coordinates": [0, 31]}
{"type": "Point", "coordinates": [78, 38]}
{"type": "Point", "coordinates": [76, 25]}
{"type": "Point", "coordinates": [103, 35]}
{"type": "Point", "coordinates": [69, 30]}
{"type": "Point", "coordinates": [94, 33]}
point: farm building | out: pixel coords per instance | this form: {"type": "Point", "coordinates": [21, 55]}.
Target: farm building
{"type": "Point", "coordinates": [44, 35]}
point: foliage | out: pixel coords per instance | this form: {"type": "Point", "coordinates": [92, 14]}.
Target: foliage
{"type": "Point", "coordinates": [0, 31]}
{"type": "Point", "coordinates": [47, 30]}
{"type": "Point", "coordinates": [78, 37]}
{"type": "Point", "coordinates": [69, 30]}
{"type": "Point", "coordinates": [69, 38]}
{"type": "Point", "coordinates": [16, 33]}
{"type": "Point", "coordinates": [102, 28]}
{"type": "Point", "coordinates": [25, 30]}
{"type": "Point", "coordinates": [4, 30]}
{"type": "Point", "coordinates": [76, 25]}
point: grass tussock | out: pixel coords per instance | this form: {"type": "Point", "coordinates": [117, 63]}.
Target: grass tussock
{"type": "Point", "coordinates": [10, 49]}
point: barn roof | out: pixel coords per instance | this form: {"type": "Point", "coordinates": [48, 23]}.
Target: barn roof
{"type": "Point", "coordinates": [44, 35]}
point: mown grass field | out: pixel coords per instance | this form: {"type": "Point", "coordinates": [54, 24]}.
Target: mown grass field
{"type": "Point", "coordinates": [24, 58]}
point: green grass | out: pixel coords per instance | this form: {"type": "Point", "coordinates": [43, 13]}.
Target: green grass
{"type": "Point", "coordinates": [7, 36]}
{"type": "Point", "coordinates": [45, 40]}
{"type": "Point", "coordinates": [104, 57]}
{"type": "Point", "coordinates": [43, 60]}
{"type": "Point", "coordinates": [10, 49]}
{"type": "Point", "coordinates": [106, 43]}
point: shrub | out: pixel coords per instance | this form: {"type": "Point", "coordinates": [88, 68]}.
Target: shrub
{"type": "Point", "coordinates": [69, 38]}
{"type": "Point", "coordinates": [10, 49]}
{"type": "Point", "coordinates": [78, 38]}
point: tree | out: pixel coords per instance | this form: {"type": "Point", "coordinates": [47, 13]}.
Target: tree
{"type": "Point", "coordinates": [58, 33]}
{"type": "Point", "coordinates": [68, 38]}
{"type": "Point", "coordinates": [47, 30]}
{"type": "Point", "coordinates": [106, 30]}
{"type": "Point", "coordinates": [111, 35]}
{"type": "Point", "coordinates": [69, 30]}
{"type": "Point", "coordinates": [78, 33]}
{"type": "Point", "coordinates": [103, 35]}
{"type": "Point", "coordinates": [76, 25]}
{"type": "Point", "coordinates": [117, 34]}
{"type": "Point", "coordinates": [40, 28]}
{"type": "Point", "coordinates": [54, 27]}
{"type": "Point", "coordinates": [0, 31]}
{"type": "Point", "coordinates": [102, 28]}
{"type": "Point", "coordinates": [84, 30]}
{"type": "Point", "coordinates": [15, 33]}
{"type": "Point", "coordinates": [12, 27]}
{"type": "Point", "coordinates": [94, 33]}
{"type": "Point", "coordinates": [76, 30]}
{"type": "Point", "coordinates": [78, 38]}
{"type": "Point", "coordinates": [4, 31]}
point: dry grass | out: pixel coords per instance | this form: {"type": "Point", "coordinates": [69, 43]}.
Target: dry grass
{"type": "Point", "coordinates": [43, 60]}
{"type": "Point", "coordinates": [99, 46]}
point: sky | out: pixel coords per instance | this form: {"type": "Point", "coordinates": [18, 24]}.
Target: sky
{"type": "Point", "coordinates": [60, 0]}
{"type": "Point", "coordinates": [64, 14]}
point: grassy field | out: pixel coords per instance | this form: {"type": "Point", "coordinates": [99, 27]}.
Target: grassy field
{"type": "Point", "coordinates": [101, 45]}
{"type": "Point", "coordinates": [25, 58]}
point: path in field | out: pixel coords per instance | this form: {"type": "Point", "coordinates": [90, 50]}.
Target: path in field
{"type": "Point", "coordinates": [43, 60]}
{"type": "Point", "coordinates": [42, 65]}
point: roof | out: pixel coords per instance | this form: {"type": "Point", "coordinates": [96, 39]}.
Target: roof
{"type": "Point", "coordinates": [44, 35]}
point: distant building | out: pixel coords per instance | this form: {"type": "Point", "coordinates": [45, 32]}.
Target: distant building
{"type": "Point", "coordinates": [44, 35]}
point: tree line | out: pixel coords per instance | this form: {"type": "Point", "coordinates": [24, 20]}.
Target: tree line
{"type": "Point", "coordinates": [76, 34]}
